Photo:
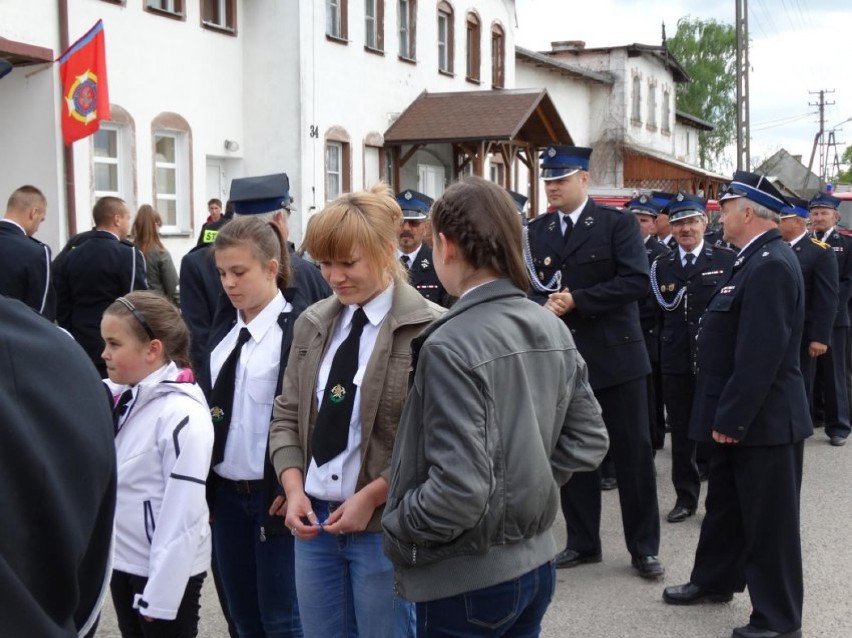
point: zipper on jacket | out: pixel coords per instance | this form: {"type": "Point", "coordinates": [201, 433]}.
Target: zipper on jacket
{"type": "Point", "coordinates": [262, 534]}
{"type": "Point", "coordinates": [150, 526]}
{"type": "Point", "coordinates": [413, 554]}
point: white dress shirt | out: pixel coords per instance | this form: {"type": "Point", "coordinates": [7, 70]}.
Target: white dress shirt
{"type": "Point", "coordinates": [336, 480]}
{"type": "Point", "coordinates": [695, 252]}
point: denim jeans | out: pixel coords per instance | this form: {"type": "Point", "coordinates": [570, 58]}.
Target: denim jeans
{"type": "Point", "coordinates": [257, 575]}
{"type": "Point", "coordinates": [514, 608]}
{"type": "Point", "coordinates": [345, 586]}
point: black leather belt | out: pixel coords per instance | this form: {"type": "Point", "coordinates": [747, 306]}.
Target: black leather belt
{"type": "Point", "coordinates": [243, 487]}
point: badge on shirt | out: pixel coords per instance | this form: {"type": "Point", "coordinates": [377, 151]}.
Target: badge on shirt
{"type": "Point", "coordinates": [338, 394]}
{"type": "Point", "coordinates": [217, 414]}
{"type": "Point", "coordinates": [726, 290]}
{"type": "Point", "coordinates": [424, 264]}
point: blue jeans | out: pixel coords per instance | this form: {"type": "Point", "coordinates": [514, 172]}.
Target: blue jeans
{"type": "Point", "coordinates": [257, 576]}
{"type": "Point", "coordinates": [345, 586]}
{"type": "Point", "coordinates": [514, 608]}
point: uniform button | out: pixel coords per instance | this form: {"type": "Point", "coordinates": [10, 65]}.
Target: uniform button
{"type": "Point", "coordinates": [626, 338]}
{"type": "Point", "coordinates": [741, 428]}
{"type": "Point", "coordinates": [334, 477]}
{"type": "Point", "coordinates": [573, 331]}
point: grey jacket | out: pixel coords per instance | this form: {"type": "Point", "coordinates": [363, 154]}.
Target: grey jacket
{"type": "Point", "coordinates": [500, 414]}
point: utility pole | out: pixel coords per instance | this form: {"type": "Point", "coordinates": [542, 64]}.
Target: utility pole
{"type": "Point", "coordinates": [743, 126]}
{"type": "Point", "coordinates": [818, 138]}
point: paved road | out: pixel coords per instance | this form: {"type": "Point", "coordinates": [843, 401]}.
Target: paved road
{"type": "Point", "coordinates": [608, 600]}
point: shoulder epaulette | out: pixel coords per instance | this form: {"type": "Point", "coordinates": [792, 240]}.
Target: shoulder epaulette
{"type": "Point", "coordinates": [819, 242]}
{"type": "Point", "coordinates": [540, 217]}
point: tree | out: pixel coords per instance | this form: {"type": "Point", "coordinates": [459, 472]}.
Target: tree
{"type": "Point", "coordinates": [707, 49]}
{"type": "Point", "coordinates": [845, 177]}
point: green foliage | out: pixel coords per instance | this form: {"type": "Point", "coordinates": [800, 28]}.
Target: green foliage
{"type": "Point", "coordinates": [845, 177]}
{"type": "Point", "coordinates": [708, 50]}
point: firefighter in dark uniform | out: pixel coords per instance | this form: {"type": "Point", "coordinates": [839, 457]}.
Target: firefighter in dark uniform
{"type": "Point", "coordinates": [24, 260]}
{"type": "Point", "coordinates": [819, 270]}
{"type": "Point", "coordinates": [98, 269]}
{"type": "Point", "coordinates": [830, 381]}
{"type": "Point", "coordinates": [588, 265]}
{"type": "Point", "coordinates": [682, 284]}
{"type": "Point", "coordinates": [750, 400]}
{"type": "Point", "coordinates": [414, 254]}
{"type": "Point", "coordinates": [650, 316]}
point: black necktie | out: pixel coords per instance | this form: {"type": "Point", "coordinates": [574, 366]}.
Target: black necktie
{"type": "Point", "coordinates": [820, 234]}
{"type": "Point", "coordinates": [569, 226]}
{"type": "Point", "coordinates": [406, 261]}
{"type": "Point", "coordinates": [222, 398]}
{"type": "Point", "coordinates": [121, 408]}
{"type": "Point", "coordinates": [331, 432]}
{"type": "Point", "coordinates": [690, 261]}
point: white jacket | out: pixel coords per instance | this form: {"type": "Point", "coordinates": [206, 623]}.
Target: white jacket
{"type": "Point", "coordinates": [162, 528]}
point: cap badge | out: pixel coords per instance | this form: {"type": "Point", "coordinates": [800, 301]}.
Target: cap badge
{"type": "Point", "coordinates": [643, 199]}
{"type": "Point", "coordinates": [680, 197]}
{"type": "Point", "coordinates": [551, 152]}
{"type": "Point", "coordinates": [408, 195]}
{"type": "Point", "coordinates": [338, 394]}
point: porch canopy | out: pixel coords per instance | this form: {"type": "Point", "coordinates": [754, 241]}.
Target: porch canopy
{"type": "Point", "coordinates": [513, 124]}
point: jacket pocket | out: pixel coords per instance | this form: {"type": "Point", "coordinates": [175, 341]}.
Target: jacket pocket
{"type": "Point", "coordinates": [148, 515]}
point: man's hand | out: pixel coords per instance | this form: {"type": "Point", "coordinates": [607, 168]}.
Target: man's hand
{"type": "Point", "coordinates": [817, 349]}
{"type": "Point", "coordinates": [724, 439]}
{"type": "Point", "coordinates": [560, 303]}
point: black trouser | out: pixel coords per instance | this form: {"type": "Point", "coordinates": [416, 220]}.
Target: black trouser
{"type": "Point", "coordinates": [750, 534]}
{"type": "Point", "coordinates": [124, 588]}
{"type": "Point", "coordinates": [678, 392]}
{"type": "Point", "coordinates": [625, 414]}
{"type": "Point", "coordinates": [656, 413]}
{"type": "Point", "coordinates": [808, 365]}
{"type": "Point", "coordinates": [831, 378]}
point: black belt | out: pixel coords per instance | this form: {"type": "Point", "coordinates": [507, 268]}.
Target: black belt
{"type": "Point", "coordinates": [243, 487]}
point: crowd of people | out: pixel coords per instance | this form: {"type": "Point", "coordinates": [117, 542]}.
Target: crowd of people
{"type": "Point", "coordinates": [377, 442]}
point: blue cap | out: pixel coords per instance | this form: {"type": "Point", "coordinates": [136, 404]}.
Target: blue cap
{"type": "Point", "coordinates": [644, 205]}
{"type": "Point", "coordinates": [824, 200]}
{"type": "Point", "coordinates": [562, 161]}
{"type": "Point", "coordinates": [520, 200]}
{"type": "Point", "coordinates": [798, 208]}
{"type": "Point", "coordinates": [5, 67]}
{"type": "Point", "coordinates": [685, 205]}
{"type": "Point", "coordinates": [264, 194]}
{"type": "Point", "coordinates": [755, 187]}
{"type": "Point", "coordinates": [415, 206]}
{"type": "Point", "coordinates": [662, 198]}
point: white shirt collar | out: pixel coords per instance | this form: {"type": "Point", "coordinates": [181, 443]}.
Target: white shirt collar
{"type": "Point", "coordinates": [696, 251]}
{"type": "Point", "coordinates": [412, 256]}
{"type": "Point", "coordinates": [266, 318]}
{"type": "Point", "coordinates": [795, 241]}
{"type": "Point", "coordinates": [574, 214]}
{"type": "Point", "coordinates": [753, 239]}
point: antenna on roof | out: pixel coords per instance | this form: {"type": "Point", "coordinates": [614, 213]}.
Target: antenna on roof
{"type": "Point", "coordinates": [664, 33]}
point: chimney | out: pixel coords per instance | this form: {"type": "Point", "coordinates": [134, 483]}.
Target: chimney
{"type": "Point", "coordinates": [567, 45]}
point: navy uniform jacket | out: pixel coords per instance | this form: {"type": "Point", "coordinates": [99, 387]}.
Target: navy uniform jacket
{"type": "Point", "coordinates": [605, 266]}
{"type": "Point", "coordinates": [819, 270]}
{"type": "Point", "coordinates": [25, 270]}
{"type": "Point", "coordinates": [749, 385]}
{"type": "Point", "coordinates": [423, 277]}
{"type": "Point", "coordinates": [680, 326]}
{"type": "Point", "coordinates": [650, 315]}
{"type": "Point", "coordinates": [57, 479]}
{"type": "Point", "coordinates": [90, 276]}
{"type": "Point", "coordinates": [842, 247]}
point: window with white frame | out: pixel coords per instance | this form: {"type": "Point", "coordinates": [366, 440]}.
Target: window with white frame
{"type": "Point", "coordinates": [333, 170]}
{"type": "Point", "coordinates": [106, 162]}
{"type": "Point", "coordinates": [636, 112]}
{"type": "Point", "coordinates": [445, 37]}
{"type": "Point", "coordinates": [175, 7]}
{"type": "Point", "coordinates": [171, 169]}
{"type": "Point", "coordinates": [336, 19]}
{"type": "Point", "coordinates": [666, 115]}
{"type": "Point", "coordinates": [371, 24]}
{"type": "Point", "coordinates": [406, 15]}
{"type": "Point", "coordinates": [652, 105]}
{"type": "Point", "coordinates": [221, 14]}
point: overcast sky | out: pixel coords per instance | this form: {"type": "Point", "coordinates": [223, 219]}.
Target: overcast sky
{"type": "Point", "coordinates": [796, 47]}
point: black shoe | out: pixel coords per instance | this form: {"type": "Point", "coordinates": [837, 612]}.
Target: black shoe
{"type": "Point", "coordinates": [648, 566]}
{"type": "Point", "coordinates": [679, 514]}
{"type": "Point", "coordinates": [572, 558]}
{"type": "Point", "coordinates": [692, 594]}
{"type": "Point", "coordinates": [608, 484]}
{"type": "Point", "coordinates": [837, 441]}
{"type": "Point", "coordinates": [754, 632]}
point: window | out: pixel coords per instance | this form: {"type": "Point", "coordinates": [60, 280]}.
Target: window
{"type": "Point", "coordinates": [106, 169]}
{"type": "Point", "coordinates": [496, 171]}
{"type": "Point", "coordinates": [172, 7]}
{"type": "Point", "coordinates": [374, 25]}
{"type": "Point", "coordinates": [666, 115]}
{"type": "Point", "coordinates": [220, 14]}
{"type": "Point", "coordinates": [336, 21]}
{"type": "Point", "coordinates": [338, 176]}
{"type": "Point", "coordinates": [445, 37]}
{"type": "Point", "coordinates": [652, 105]}
{"type": "Point", "coordinates": [407, 14]}
{"type": "Point", "coordinates": [473, 44]}
{"type": "Point", "coordinates": [636, 114]}
{"type": "Point", "coordinates": [498, 47]}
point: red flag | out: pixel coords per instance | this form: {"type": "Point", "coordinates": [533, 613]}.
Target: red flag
{"type": "Point", "coordinates": [85, 99]}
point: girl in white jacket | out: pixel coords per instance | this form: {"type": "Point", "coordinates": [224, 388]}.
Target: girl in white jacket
{"type": "Point", "coordinates": [164, 442]}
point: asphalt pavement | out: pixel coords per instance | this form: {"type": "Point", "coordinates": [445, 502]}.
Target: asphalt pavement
{"type": "Point", "coordinates": [609, 600]}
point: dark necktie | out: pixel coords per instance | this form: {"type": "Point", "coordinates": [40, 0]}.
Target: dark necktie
{"type": "Point", "coordinates": [331, 432]}
{"type": "Point", "coordinates": [406, 261]}
{"type": "Point", "coordinates": [690, 262]}
{"type": "Point", "coordinates": [820, 234]}
{"type": "Point", "coordinates": [569, 226]}
{"type": "Point", "coordinates": [222, 398]}
{"type": "Point", "coordinates": [120, 409]}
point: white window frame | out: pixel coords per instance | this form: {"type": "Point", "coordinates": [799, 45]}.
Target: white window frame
{"type": "Point", "coordinates": [223, 14]}
{"type": "Point", "coordinates": [667, 115]}
{"type": "Point", "coordinates": [636, 110]}
{"type": "Point", "coordinates": [652, 105]}
{"type": "Point", "coordinates": [371, 24]}
{"type": "Point", "coordinates": [334, 17]}
{"type": "Point", "coordinates": [169, 6]}
{"type": "Point", "coordinates": [331, 193]}
{"type": "Point", "coordinates": [107, 161]}
{"type": "Point", "coordinates": [404, 18]}
{"type": "Point", "coordinates": [181, 195]}
{"type": "Point", "coordinates": [444, 45]}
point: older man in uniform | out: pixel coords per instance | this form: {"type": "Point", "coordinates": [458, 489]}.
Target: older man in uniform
{"type": "Point", "coordinates": [414, 254]}
{"type": "Point", "coordinates": [819, 270]}
{"type": "Point", "coordinates": [100, 267]}
{"type": "Point", "coordinates": [683, 283]}
{"type": "Point", "coordinates": [24, 260]}
{"type": "Point", "coordinates": [831, 367]}
{"type": "Point", "coordinates": [594, 261]}
{"type": "Point", "coordinates": [750, 400]}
